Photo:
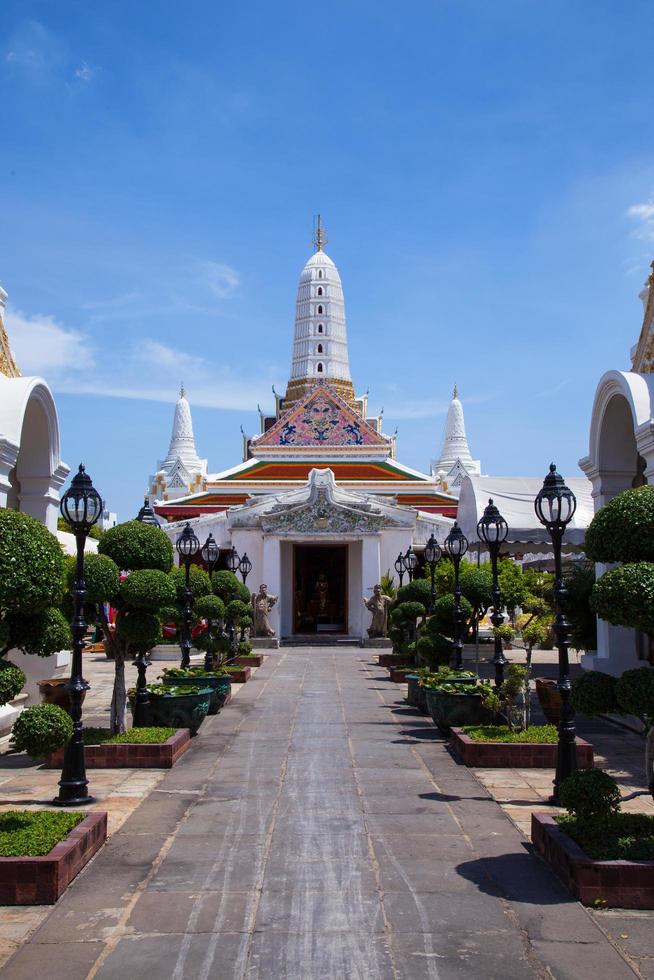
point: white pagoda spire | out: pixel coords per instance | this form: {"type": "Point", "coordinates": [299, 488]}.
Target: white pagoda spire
{"type": "Point", "coordinates": [320, 340]}
{"type": "Point", "coordinates": [455, 460]}
{"type": "Point", "coordinates": [182, 471]}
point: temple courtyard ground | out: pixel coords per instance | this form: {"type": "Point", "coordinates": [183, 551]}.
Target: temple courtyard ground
{"type": "Point", "coordinates": [319, 829]}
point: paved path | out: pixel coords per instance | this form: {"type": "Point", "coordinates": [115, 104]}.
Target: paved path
{"type": "Point", "coordinates": [318, 830]}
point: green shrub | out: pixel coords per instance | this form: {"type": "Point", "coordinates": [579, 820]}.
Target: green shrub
{"type": "Point", "coordinates": [228, 587]}
{"type": "Point", "coordinates": [536, 633]}
{"type": "Point", "coordinates": [12, 681]}
{"type": "Point", "coordinates": [140, 630]}
{"type": "Point", "coordinates": [198, 581]}
{"type": "Point", "coordinates": [595, 693]}
{"type": "Point", "coordinates": [209, 607]}
{"type": "Point", "coordinates": [590, 794]}
{"type": "Point", "coordinates": [133, 736]}
{"type": "Point", "coordinates": [442, 620]}
{"type": "Point", "coordinates": [101, 577]}
{"type": "Point", "coordinates": [244, 648]}
{"type": "Point", "coordinates": [148, 589]}
{"type": "Point", "coordinates": [41, 729]}
{"type": "Point", "coordinates": [238, 613]}
{"type": "Point", "coordinates": [540, 734]}
{"type": "Point", "coordinates": [407, 612]}
{"type": "Point", "coordinates": [417, 591]}
{"type": "Point", "coordinates": [135, 545]}
{"type": "Point", "coordinates": [635, 693]}
{"type": "Point", "coordinates": [624, 596]}
{"type": "Point", "coordinates": [28, 833]}
{"type": "Point", "coordinates": [31, 564]}
{"type": "Point", "coordinates": [623, 530]}
{"type": "Point", "coordinates": [434, 649]}
{"type": "Point", "coordinates": [579, 580]}
{"type": "Point", "coordinates": [41, 634]}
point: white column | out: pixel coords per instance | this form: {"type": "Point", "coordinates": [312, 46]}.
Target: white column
{"type": "Point", "coordinates": [272, 577]}
{"type": "Point", "coordinates": [8, 457]}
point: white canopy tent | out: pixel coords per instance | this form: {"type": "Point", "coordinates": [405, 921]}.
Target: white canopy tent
{"type": "Point", "coordinates": [514, 497]}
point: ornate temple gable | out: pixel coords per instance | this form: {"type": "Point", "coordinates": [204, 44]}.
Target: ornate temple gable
{"type": "Point", "coordinates": [643, 353]}
{"type": "Point", "coordinates": [321, 420]}
{"type": "Point", "coordinates": [8, 365]}
{"type": "Point", "coordinates": [321, 507]}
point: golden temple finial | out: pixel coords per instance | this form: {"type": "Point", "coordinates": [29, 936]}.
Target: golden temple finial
{"type": "Point", "coordinates": [455, 393]}
{"type": "Point", "coordinates": [319, 237]}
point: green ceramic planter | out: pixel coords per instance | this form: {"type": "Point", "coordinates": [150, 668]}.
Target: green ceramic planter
{"type": "Point", "coordinates": [455, 710]}
{"type": "Point", "coordinates": [416, 694]}
{"type": "Point", "coordinates": [178, 711]}
{"type": "Point", "coordinates": [220, 688]}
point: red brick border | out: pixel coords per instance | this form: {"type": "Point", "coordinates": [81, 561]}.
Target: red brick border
{"type": "Point", "coordinates": [131, 755]}
{"type": "Point", "coordinates": [392, 659]}
{"type": "Point", "coordinates": [513, 755]}
{"type": "Point", "coordinates": [241, 675]}
{"type": "Point", "coordinates": [251, 660]}
{"type": "Point", "coordinates": [399, 674]}
{"type": "Point", "coordinates": [42, 880]}
{"type": "Point", "coordinates": [612, 884]}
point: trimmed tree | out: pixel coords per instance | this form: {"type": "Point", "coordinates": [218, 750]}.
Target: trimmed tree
{"type": "Point", "coordinates": [31, 589]}
{"type": "Point", "coordinates": [145, 552]}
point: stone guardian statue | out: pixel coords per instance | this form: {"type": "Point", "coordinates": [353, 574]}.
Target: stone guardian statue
{"type": "Point", "coordinates": [378, 604]}
{"type": "Point", "coordinates": [262, 603]}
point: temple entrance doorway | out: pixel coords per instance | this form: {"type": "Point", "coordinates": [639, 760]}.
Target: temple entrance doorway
{"type": "Point", "coordinates": [319, 589]}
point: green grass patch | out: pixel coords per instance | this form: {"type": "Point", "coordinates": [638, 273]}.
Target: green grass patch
{"type": "Point", "coordinates": [619, 837]}
{"type": "Point", "coordinates": [540, 734]}
{"type": "Point", "coordinates": [134, 736]}
{"type": "Point", "coordinates": [27, 833]}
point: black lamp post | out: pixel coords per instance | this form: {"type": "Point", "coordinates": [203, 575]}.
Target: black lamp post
{"type": "Point", "coordinates": [233, 561]}
{"type": "Point", "coordinates": [400, 567]}
{"type": "Point", "coordinates": [432, 557]}
{"type": "Point", "coordinates": [80, 506]}
{"type": "Point", "coordinates": [245, 566]}
{"type": "Point", "coordinates": [411, 562]}
{"type": "Point", "coordinates": [555, 505]}
{"type": "Point", "coordinates": [187, 548]}
{"type": "Point", "coordinates": [493, 530]}
{"type": "Point", "coordinates": [210, 554]}
{"type": "Point", "coordinates": [456, 545]}
{"type": "Point", "coordinates": [147, 514]}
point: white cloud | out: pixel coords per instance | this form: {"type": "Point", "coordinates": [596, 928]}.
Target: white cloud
{"type": "Point", "coordinates": [43, 346]}
{"type": "Point", "coordinates": [84, 72]}
{"type": "Point", "coordinates": [220, 279]}
{"type": "Point", "coordinates": [33, 49]}
{"type": "Point", "coordinates": [643, 213]}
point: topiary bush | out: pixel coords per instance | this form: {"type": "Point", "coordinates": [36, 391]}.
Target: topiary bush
{"type": "Point", "coordinates": [31, 564]}
{"type": "Point", "coordinates": [139, 629]}
{"type": "Point", "coordinates": [594, 693]}
{"type": "Point", "coordinates": [12, 680]}
{"type": "Point", "coordinates": [41, 729]}
{"type": "Point", "coordinates": [417, 591]}
{"type": "Point", "coordinates": [238, 613]}
{"type": "Point", "coordinates": [407, 612]}
{"type": "Point", "coordinates": [635, 696]}
{"type": "Point", "coordinates": [148, 589]}
{"type": "Point", "coordinates": [624, 596]}
{"type": "Point", "coordinates": [135, 545]}
{"type": "Point", "coordinates": [198, 580]}
{"type": "Point", "coordinates": [40, 634]}
{"type": "Point", "coordinates": [434, 649]}
{"type": "Point", "coordinates": [590, 794]}
{"type": "Point", "coordinates": [228, 587]}
{"type": "Point", "coordinates": [210, 607]}
{"type": "Point", "coordinates": [579, 579]}
{"type": "Point", "coordinates": [442, 620]}
{"type": "Point", "coordinates": [101, 577]}
{"type": "Point", "coordinates": [623, 530]}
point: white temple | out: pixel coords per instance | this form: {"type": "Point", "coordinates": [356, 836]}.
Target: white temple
{"type": "Point", "coordinates": [182, 471]}
{"type": "Point", "coordinates": [455, 461]}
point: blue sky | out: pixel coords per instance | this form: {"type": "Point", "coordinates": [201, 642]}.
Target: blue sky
{"type": "Point", "coordinates": [485, 172]}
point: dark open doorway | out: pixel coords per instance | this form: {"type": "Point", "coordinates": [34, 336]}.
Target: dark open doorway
{"type": "Point", "coordinates": [320, 589]}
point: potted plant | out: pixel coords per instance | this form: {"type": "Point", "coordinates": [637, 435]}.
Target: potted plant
{"type": "Point", "coordinates": [41, 729]}
{"type": "Point", "coordinates": [169, 706]}
{"type": "Point", "coordinates": [219, 682]}
{"type": "Point", "coordinates": [456, 699]}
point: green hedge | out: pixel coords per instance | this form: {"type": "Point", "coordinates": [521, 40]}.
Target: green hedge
{"type": "Point", "coordinates": [623, 530]}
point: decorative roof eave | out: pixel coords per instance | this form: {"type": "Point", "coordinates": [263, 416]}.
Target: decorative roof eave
{"type": "Point", "coordinates": [644, 351]}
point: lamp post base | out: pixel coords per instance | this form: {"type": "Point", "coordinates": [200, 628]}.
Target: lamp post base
{"type": "Point", "coordinates": [73, 800]}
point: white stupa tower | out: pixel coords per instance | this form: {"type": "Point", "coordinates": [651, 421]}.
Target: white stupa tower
{"type": "Point", "coordinates": [455, 460]}
{"type": "Point", "coordinates": [182, 471]}
{"type": "Point", "coordinates": [319, 340]}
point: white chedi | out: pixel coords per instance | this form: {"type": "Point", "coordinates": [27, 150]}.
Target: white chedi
{"type": "Point", "coordinates": [182, 471]}
{"type": "Point", "coordinates": [455, 461]}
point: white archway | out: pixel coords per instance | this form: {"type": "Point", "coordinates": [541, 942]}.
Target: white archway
{"type": "Point", "coordinates": [620, 456]}
{"type": "Point", "coordinates": [31, 470]}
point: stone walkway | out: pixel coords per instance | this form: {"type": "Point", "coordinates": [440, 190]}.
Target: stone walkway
{"type": "Point", "coordinates": [318, 830]}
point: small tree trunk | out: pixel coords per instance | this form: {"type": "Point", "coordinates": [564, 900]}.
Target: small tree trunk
{"type": "Point", "coordinates": [528, 689]}
{"type": "Point", "coordinates": [649, 759]}
{"type": "Point", "coordinates": [118, 710]}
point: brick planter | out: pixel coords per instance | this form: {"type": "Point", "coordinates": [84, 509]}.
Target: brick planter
{"type": "Point", "coordinates": [42, 880]}
{"type": "Point", "coordinates": [253, 660]}
{"type": "Point", "coordinates": [241, 675]}
{"type": "Point", "coordinates": [399, 674]}
{"type": "Point", "coordinates": [513, 755]}
{"type": "Point", "coordinates": [392, 659]}
{"type": "Point", "coordinates": [613, 884]}
{"type": "Point", "coordinates": [131, 755]}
